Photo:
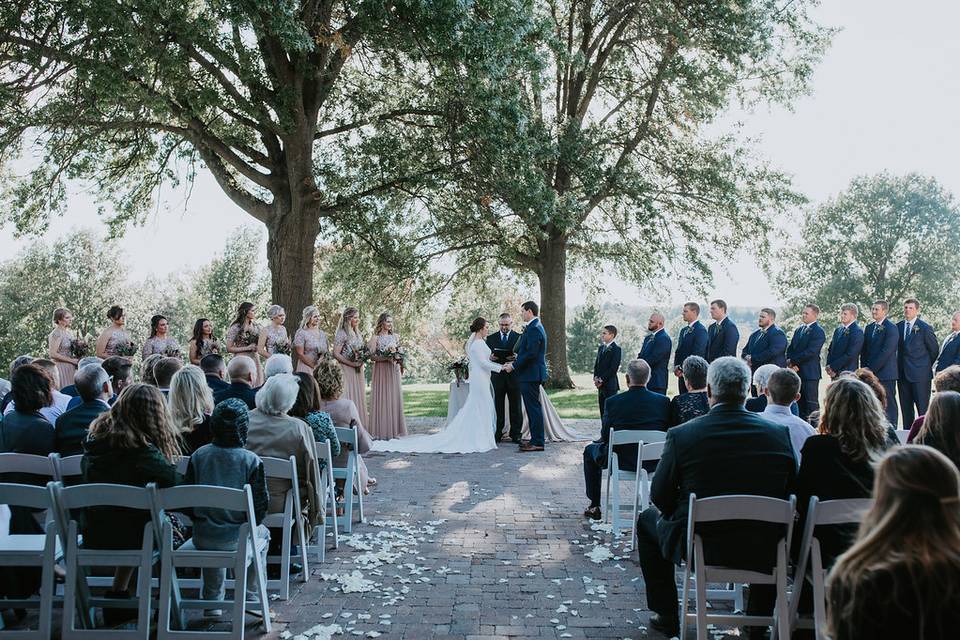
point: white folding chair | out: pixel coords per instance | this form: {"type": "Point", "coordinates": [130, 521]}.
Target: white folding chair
{"type": "Point", "coordinates": [25, 463]}
{"type": "Point", "coordinates": [742, 508]}
{"type": "Point", "coordinates": [329, 496]}
{"type": "Point", "coordinates": [182, 463]}
{"type": "Point", "coordinates": [615, 475]}
{"type": "Point", "coordinates": [31, 550]}
{"type": "Point", "coordinates": [67, 469]}
{"type": "Point", "coordinates": [349, 474]}
{"type": "Point", "coordinates": [250, 548]}
{"type": "Point", "coordinates": [902, 435]}
{"type": "Point", "coordinates": [289, 520]}
{"type": "Point", "coordinates": [827, 513]}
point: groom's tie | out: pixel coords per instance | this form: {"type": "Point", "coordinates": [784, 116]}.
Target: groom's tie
{"type": "Point", "coordinates": [503, 339]}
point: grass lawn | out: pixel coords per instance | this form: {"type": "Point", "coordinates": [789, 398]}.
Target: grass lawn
{"type": "Point", "coordinates": [430, 400]}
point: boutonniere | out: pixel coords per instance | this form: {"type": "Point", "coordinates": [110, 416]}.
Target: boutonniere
{"type": "Point", "coordinates": [880, 328]}
{"type": "Point", "coordinates": [916, 329]}
{"type": "Point", "coordinates": [846, 331]}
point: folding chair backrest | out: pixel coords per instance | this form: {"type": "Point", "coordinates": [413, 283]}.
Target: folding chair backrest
{"type": "Point", "coordinates": [69, 467]}
{"type": "Point", "coordinates": [203, 496]}
{"type": "Point", "coordinates": [27, 463]}
{"type": "Point", "coordinates": [105, 495]}
{"type": "Point", "coordinates": [182, 462]}
{"type": "Point", "coordinates": [348, 436]}
{"type": "Point", "coordinates": [840, 511]}
{"type": "Point", "coordinates": [651, 451]}
{"type": "Point", "coordinates": [742, 507]}
{"type": "Point", "coordinates": [280, 468]}
{"type": "Point", "coordinates": [902, 435]}
{"type": "Point", "coordinates": [625, 436]}
{"type": "Point", "coordinates": [24, 495]}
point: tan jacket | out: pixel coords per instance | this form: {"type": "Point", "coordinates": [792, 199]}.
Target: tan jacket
{"type": "Point", "coordinates": [282, 437]}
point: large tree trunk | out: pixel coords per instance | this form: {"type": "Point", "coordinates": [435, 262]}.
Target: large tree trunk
{"type": "Point", "coordinates": [291, 245]}
{"type": "Point", "coordinates": [553, 309]}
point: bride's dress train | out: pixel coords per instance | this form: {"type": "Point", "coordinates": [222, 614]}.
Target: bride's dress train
{"type": "Point", "coordinates": [472, 429]}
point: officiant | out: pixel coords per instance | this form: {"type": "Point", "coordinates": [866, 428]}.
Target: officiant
{"type": "Point", "coordinates": [506, 386]}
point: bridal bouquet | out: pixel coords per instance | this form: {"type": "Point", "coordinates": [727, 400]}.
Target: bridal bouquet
{"type": "Point", "coordinates": [282, 346]}
{"type": "Point", "coordinates": [126, 349]}
{"type": "Point", "coordinates": [460, 368]}
{"type": "Point", "coordinates": [79, 348]}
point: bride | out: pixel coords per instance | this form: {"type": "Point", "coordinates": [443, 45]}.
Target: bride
{"type": "Point", "coordinates": [471, 430]}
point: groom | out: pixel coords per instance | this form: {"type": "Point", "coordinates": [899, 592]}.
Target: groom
{"type": "Point", "coordinates": [531, 368]}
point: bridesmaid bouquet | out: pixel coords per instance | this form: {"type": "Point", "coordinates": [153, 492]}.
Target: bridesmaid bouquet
{"type": "Point", "coordinates": [461, 369]}
{"type": "Point", "coordinates": [79, 348]}
{"type": "Point", "coordinates": [247, 338]}
{"type": "Point", "coordinates": [126, 349]}
{"type": "Point", "coordinates": [360, 354]}
{"type": "Point", "coordinates": [171, 351]}
{"type": "Point", "coordinates": [282, 346]}
{"type": "Point", "coordinates": [395, 353]}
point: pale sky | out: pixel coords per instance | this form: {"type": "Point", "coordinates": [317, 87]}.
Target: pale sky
{"type": "Point", "coordinates": [885, 97]}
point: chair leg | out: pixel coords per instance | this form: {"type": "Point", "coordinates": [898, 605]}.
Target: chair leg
{"type": "Point", "coordinates": [244, 559]}
{"type": "Point", "coordinates": [641, 477]}
{"type": "Point", "coordinates": [819, 592]}
{"type": "Point", "coordinates": [685, 600]}
{"type": "Point", "coordinates": [285, 557]}
{"type": "Point", "coordinates": [302, 544]}
{"type": "Point", "coordinates": [782, 606]}
{"type": "Point", "coordinates": [47, 587]}
{"type": "Point", "coordinates": [615, 506]}
{"type": "Point", "coordinates": [333, 510]}
{"type": "Point", "coordinates": [608, 498]}
{"type": "Point", "coordinates": [701, 592]}
{"type": "Point", "coordinates": [166, 595]}
{"type": "Point", "coordinates": [260, 570]}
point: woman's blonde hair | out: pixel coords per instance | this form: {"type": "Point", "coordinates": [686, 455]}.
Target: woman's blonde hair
{"type": "Point", "coordinates": [381, 321]}
{"type": "Point", "coordinates": [138, 418]}
{"type": "Point", "coordinates": [345, 317]}
{"type": "Point", "coordinates": [329, 378]}
{"type": "Point", "coordinates": [853, 415]}
{"type": "Point", "coordinates": [941, 426]}
{"type": "Point", "coordinates": [274, 310]}
{"type": "Point", "coordinates": [307, 314]}
{"type": "Point", "coordinates": [190, 398]}
{"type": "Point", "coordinates": [912, 535]}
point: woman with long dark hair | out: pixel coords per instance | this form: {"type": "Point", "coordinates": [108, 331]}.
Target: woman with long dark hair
{"type": "Point", "coordinates": [203, 342]}
{"type": "Point", "coordinates": [115, 340]}
{"type": "Point", "coordinates": [243, 335]}
{"type": "Point", "coordinates": [160, 341]}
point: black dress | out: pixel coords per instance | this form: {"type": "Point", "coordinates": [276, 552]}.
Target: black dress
{"type": "Point", "coordinates": [688, 406]}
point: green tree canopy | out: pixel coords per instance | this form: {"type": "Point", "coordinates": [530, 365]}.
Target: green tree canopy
{"type": "Point", "coordinates": [885, 237]}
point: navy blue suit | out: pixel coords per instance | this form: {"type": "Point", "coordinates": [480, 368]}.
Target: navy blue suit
{"type": "Point", "coordinates": [915, 359]}
{"type": "Point", "coordinates": [766, 347]}
{"type": "Point", "coordinates": [722, 339]}
{"type": "Point", "coordinates": [531, 368]}
{"type": "Point", "coordinates": [656, 352]}
{"type": "Point", "coordinates": [880, 345]}
{"type": "Point", "coordinates": [637, 408]}
{"type": "Point", "coordinates": [72, 426]}
{"type": "Point", "coordinates": [950, 354]}
{"type": "Point", "coordinates": [692, 341]}
{"type": "Point", "coordinates": [843, 354]}
{"type": "Point", "coordinates": [216, 383]}
{"type": "Point", "coordinates": [804, 354]}
{"type": "Point", "coordinates": [606, 367]}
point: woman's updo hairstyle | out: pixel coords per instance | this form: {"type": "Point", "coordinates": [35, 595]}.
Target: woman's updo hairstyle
{"type": "Point", "coordinates": [477, 324]}
{"type": "Point", "coordinates": [115, 312]}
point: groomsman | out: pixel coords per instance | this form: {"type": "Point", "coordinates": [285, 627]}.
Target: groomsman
{"type": "Point", "coordinates": [506, 386]}
{"type": "Point", "coordinates": [606, 366]}
{"type": "Point", "coordinates": [656, 353]}
{"type": "Point", "coordinates": [692, 341]}
{"type": "Point", "coordinates": [803, 356]}
{"type": "Point", "coordinates": [918, 351]}
{"type": "Point", "coordinates": [950, 353]}
{"type": "Point", "coordinates": [766, 345]}
{"type": "Point", "coordinates": [723, 335]}
{"type": "Point", "coordinates": [843, 354]}
{"type": "Point", "coordinates": [880, 345]}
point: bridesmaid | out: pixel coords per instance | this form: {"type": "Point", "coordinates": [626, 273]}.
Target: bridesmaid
{"type": "Point", "coordinates": [347, 345]}
{"type": "Point", "coordinates": [386, 396]}
{"type": "Point", "coordinates": [159, 341]}
{"type": "Point", "coordinates": [243, 336]}
{"type": "Point", "coordinates": [274, 334]}
{"type": "Point", "coordinates": [310, 341]}
{"type": "Point", "coordinates": [114, 335]}
{"type": "Point", "coordinates": [59, 346]}
{"type": "Point", "coordinates": [203, 343]}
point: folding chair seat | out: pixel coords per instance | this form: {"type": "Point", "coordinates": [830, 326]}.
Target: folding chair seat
{"type": "Point", "coordinates": [615, 475]}
{"type": "Point", "coordinates": [250, 548]}
{"type": "Point", "coordinates": [827, 513]}
{"type": "Point", "coordinates": [290, 520]}
{"type": "Point", "coordinates": [78, 601]}
{"type": "Point", "coordinates": [352, 495]}
{"type": "Point", "coordinates": [31, 550]}
{"type": "Point", "coordinates": [756, 509]}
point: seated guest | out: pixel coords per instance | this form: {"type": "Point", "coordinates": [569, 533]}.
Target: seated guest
{"type": "Point", "coordinates": [871, 380]}
{"type": "Point", "coordinates": [760, 379]}
{"type": "Point", "coordinates": [163, 372]}
{"type": "Point", "coordinates": [693, 402]}
{"type": "Point", "coordinates": [18, 362]}
{"type": "Point", "coordinates": [838, 463]}
{"type": "Point", "coordinates": [71, 390]}
{"type": "Point", "coordinates": [95, 389]}
{"type": "Point", "coordinates": [24, 429]}
{"type": "Point", "coordinates": [637, 409]}
{"type": "Point", "coordinates": [58, 400]}
{"type": "Point", "coordinates": [901, 578]}
{"type": "Point", "coordinates": [941, 428]}
{"type": "Point", "coordinates": [243, 372]}
{"type": "Point", "coordinates": [946, 380]}
{"type": "Point", "coordinates": [134, 443]}
{"type": "Point", "coordinates": [277, 363]}
{"type": "Point", "coordinates": [344, 413]}
{"type": "Point", "coordinates": [783, 389]}
{"type": "Point", "coordinates": [146, 369]}
{"type": "Point", "coordinates": [726, 452]}
{"type": "Point", "coordinates": [274, 434]}
{"type": "Point", "coordinates": [307, 408]}
{"type": "Point", "coordinates": [191, 404]}
{"type": "Point", "coordinates": [121, 374]}
{"type": "Point", "coordinates": [214, 370]}
{"type": "Point", "coordinates": [4, 387]}
{"type": "Point", "coordinates": [225, 463]}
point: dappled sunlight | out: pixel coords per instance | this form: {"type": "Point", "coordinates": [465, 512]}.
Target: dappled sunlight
{"type": "Point", "coordinates": [397, 464]}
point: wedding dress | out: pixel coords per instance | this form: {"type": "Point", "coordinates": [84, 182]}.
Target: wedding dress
{"type": "Point", "coordinates": [472, 429]}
